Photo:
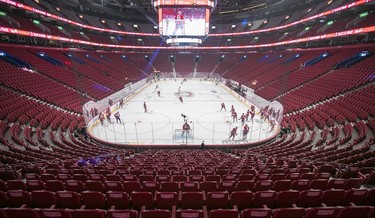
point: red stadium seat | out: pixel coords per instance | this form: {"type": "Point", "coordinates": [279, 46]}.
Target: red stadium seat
{"type": "Point", "coordinates": [192, 200]}
{"type": "Point", "coordinates": [256, 213]}
{"type": "Point", "coordinates": [169, 186]}
{"type": "Point", "coordinates": [33, 185]}
{"type": "Point", "coordinates": [18, 198]}
{"type": "Point", "coordinates": [208, 186]}
{"type": "Point", "coordinates": [189, 213]}
{"type": "Point", "coordinates": [289, 212]}
{"type": "Point", "coordinates": [357, 211]}
{"type": "Point", "coordinates": [216, 200]}
{"type": "Point", "coordinates": [89, 213]}
{"type": "Point", "coordinates": [156, 213]}
{"type": "Point", "coordinates": [241, 199]}
{"type": "Point", "coordinates": [16, 185]}
{"type": "Point", "coordinates": [262, 198]}
{"type": "Point", "coordinates": [117, 200]}
{"type": "Point", "coordinates": [309, 198]}
{"type": "Point", "coordinates": [21, 212]}
{"type": "Point", "coordinates": [189, 186]}
{"type": "Point", "coordinates": [122, 213]}
{"type": "Point", "coordinates": [43, 199]}
{"type": "Point", "coordinates": [68, 199]}
{"type": "Point", "coordinates": [333, 197]}
{"type": "Point", "coordinates": [139, 199]}
{"type": "Point", "coordinates": [322, 212]}
{"type": "Point", "coordinates": [287, 198]}
{"type": "Point", "coordinates": [93, 200]}
{"type": "Point", "coordinates": [55, 185]}
{"type": "Point", "coordinates": [94, 185]}
{"type": "Point", "coordinates": [224, 213]}
{"type": "Point", "coordinates": [55, 213]}
{"type": "Point", "coordinates": [74, 185]}
{"type": "Point", "coordinates": [166, 200]}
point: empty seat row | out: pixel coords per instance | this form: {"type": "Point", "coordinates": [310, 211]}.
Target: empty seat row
{"type": "Point", "coordinates": [187, 200]}
{"type": "Point", "coordinates": [326, 212]}
{"type": "Point", "coordinates": [129, 186]}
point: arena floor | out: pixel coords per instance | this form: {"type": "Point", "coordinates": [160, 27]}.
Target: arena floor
{"type": "Point", "coordinates": [163, 121]}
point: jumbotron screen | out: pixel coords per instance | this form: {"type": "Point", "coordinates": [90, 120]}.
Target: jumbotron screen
{"type": "Point", "coordinates": [183, 21]}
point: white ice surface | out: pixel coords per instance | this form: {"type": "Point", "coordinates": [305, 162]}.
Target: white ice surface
{"type": "Point", "coordinates": [162, 123]}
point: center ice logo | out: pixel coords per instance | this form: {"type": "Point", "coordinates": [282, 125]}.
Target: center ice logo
{"type": "Point", "coordinates": [184, 94]}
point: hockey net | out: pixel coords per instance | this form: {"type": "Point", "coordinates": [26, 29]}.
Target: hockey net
{"type": "Point", "coordinates": [182, 134]}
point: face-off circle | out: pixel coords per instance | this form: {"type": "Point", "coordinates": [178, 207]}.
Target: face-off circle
{"type": "Point", "coordinates": [184, 94]}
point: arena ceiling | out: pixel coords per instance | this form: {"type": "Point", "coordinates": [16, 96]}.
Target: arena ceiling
{"type": "Point", "coordinates": [222, 6]}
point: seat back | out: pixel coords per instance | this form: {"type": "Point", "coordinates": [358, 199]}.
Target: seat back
{"type": "Point", "coordinates": [216, 200]}
{"type": "Point", "coordinates": [166, 200]}
{"type": "Point", "coordinates": [223, 213]}
{"type": "Point", "coordinates": [19, 197]}
{"type": "Point", "coordinates": [242, 199]}
{"type": "Point", "coordinates": [68, 199]}
{"type": "Point", "coordinates": [289, 212]}
{"type": "Point", "coordinates": [122, 213]}
{"type": "Point", "coordinates": [262, 198]}
{"type": "Point", "coordinates": [43, 199]}
{"type": "Point", "coordinates": [118, 200]}
{"type": "Point", "coordinates": [256, 213]}
{"type": "Point", "coordinates": [192, 200]}
{"type": "Point", "coordinates": [139, 199]}
{"type": "Point", "coordinates": [309, 198]}
{"type": "Point", "coordinates": [189, 214]}
{"type": "Point", "coordinates": [20, 212]}
{"type": "Point", "coordinates": [156, 214]}
{"type": "Point", "coordinates": [93, 200]}
{"type": "Point", "coordinates": [89, 213]}
{"type": "Point", "coordinates": [287, 198]}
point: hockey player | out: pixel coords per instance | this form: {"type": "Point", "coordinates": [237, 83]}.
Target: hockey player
{"type": "Point", "coordinates": [252, 108]}
{"type": "Point", "coordinates": [233, 133]}
{"type": "Point", "coordinates": [186, 128]}
{"type": "Point", "coordinates": [245, 131]}
{"type": "Point", "coordinates": [272, 124]}
{"type": "Point", "coordinates": [101, 118]}
{"type": "Point", "coordinates": [121, 103]}
{"type": "Point", "coordinates": [145, 106]}
{"type": "Point", "coordinates": [232, 109]}
{"type": "Point", "coordinates": [223, 107]}
{"type": "Point", "coordinates": [92, 112]}
{"type": "Point", "coordinates": [158, 92]}
{"type": "Point", "coordinates": [243, 118]}
{"type": "Point", "coordinates": [234, 116]}
{"type": "Point", "coordinates": [247, 114]}
{"type": "Point", "coordinates": [181, 100]}
{"type": "Point", "coordinates": [117, 116]}
{"type": "Point", "coordinates": [252, 114]}
{"type": "Point", "coordinates": [108, 114]}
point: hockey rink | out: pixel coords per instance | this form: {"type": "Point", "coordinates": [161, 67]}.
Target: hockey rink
{"type": "Point", "coordinates": [163, 121]}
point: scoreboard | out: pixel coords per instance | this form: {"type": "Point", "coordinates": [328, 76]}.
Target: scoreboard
{"type": "Point", "coordinates": [187, 20]}
{"type": "Point", "coordinates": [207, 3]}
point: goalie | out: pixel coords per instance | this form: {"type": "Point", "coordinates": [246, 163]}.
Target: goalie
{"type": "Point", "coordinates": [186, 129]}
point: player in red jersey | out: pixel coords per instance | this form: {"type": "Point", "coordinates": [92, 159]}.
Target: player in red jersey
{"type": "Point", "coordinates": [180, 23]}
{"type": "Point", "coordinates": [186, 128]}
{"type": "Point", "coordinates": [245, 131]}
{"type": "Point", "coordinates": [233, 133]}
{"type": "Point", "coordinates": [223, 107]}
{"type": "Point", "coordinates": [101, 118]}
